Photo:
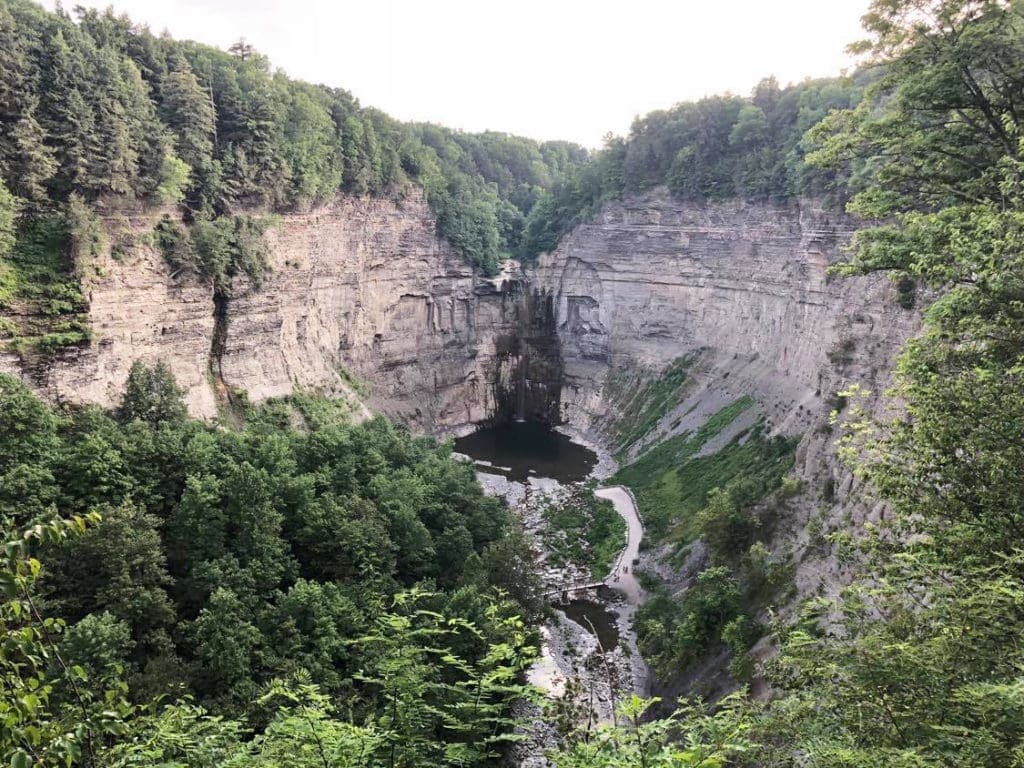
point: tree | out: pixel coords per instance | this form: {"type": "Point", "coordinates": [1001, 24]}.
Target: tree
{"type": "Point", "coordinates": [152, 395]}
{"type": "Point", "coordinates": [66, 115]}
{"type": "Point", "coordinates": [26, 163]}
{"type": "Point", "coordinates": [911, 664]}
{"type": "Point", "coordinates": [189, 112]}
{"type": "Point", "coordinates": [693, 737]}
{"type": "Point", "coordinates": [116, 567]}
{"type": "Point", "coordinates": [225, 642]}
{"type": "Point", "coordinates": [37, 729]}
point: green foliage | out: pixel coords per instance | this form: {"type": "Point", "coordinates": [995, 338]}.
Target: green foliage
{"type": "Point", "coordinates": [672, 484]}
{"type": "Point", "coordinates": [173, 180]}
{"type": "Point", "coordinates": [584, 529]}
{"type": "Point", "coordinates": [684, 497]}
{"type": "Point", "coordinates": [717, 148]}
{"type": "Point", "coordinates": [152, 395]}
{"type": "Point", "coordinates": [644, 402]}
{"type": "Point", "coordinates": [725, 523]}
{"type": "Point", "coordinates": [225, 559]}
{"type": "Point", "coordinates": [695, 736]}
{"type": "Point", "coordinates": [576, 195]}
{"type": "Point", "coordinates": [216, 250]}
{"type": "Point", "coordinates": [36, 728]}
{"type": "Point", "coordinates": [918, 662]}
{"type": "Point", "coordinates": [37, 276]}
{"type": "Point", "coordinates": [674, 633]}
{"type": "Point", "coordinates": [8, 215]}
{"type": "Point", "coordinates": [63, 701]}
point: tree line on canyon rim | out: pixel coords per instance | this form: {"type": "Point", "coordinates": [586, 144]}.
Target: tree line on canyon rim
{"type": "Point", "coordinates": [104, 118]}
{"type": "Point", "coordinates": [129, 641]}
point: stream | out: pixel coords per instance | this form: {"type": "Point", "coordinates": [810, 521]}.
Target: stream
{"type": "Point", "coordinates": [589, 648]}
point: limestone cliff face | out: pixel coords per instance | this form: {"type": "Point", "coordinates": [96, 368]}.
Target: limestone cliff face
{"type": "Point", "coordinates": [742, 284]}
{"type": "Point", "coordinates": [363, 289]}
{"type": "Point", "coordinates": [137, 311]}
{"type": "Point", "coordinates": [742, 289]}
{"type": "Point", "coordinates": [366, 287]}
{"type": "Point", "coordinates": [360, 288]}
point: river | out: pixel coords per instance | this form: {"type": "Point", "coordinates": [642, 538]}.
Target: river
{"type": "Point", "coordinates": [533, 466]}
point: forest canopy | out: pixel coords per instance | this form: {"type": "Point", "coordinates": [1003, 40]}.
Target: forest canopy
{"type": "Point", "coordinates": [105, 110]}
{"type": "Point", "coordinates": [302, 561]}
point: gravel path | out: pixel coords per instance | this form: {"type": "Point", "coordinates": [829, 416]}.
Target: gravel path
{"type": "Point", "coordinates": [622, 579]}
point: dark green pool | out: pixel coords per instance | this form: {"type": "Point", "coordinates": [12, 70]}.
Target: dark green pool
{"type": "Point", "coordinates": [523, 449]}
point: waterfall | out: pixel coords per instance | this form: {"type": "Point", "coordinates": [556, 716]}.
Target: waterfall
{"type": "Point", "coordinates": [528, 375]}
{"type": "Point", "coordinates": [524, 362]}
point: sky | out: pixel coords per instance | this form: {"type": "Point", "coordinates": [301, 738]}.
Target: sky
{"type": "Point", "coordinates": [547, 69]}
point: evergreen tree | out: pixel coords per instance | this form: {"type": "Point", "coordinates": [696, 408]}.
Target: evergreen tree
{"type": "Point", "coordinates": [152, 395]}
{"type": "Point", "coordinates": [188, 110]}
{"type": "Point", "coordinates": [25, 160]}
{"type": "Point", "coordinates": [66, 115]}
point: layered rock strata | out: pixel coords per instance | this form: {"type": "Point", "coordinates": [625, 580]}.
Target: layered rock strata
{"type": "Point", "coordinates": [360, 290]}
{"type": "Point", "coordinates": [743, 291]}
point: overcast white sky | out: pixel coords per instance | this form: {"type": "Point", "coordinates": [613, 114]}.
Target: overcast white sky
{"type": "Point", "coordinates": [549, 69]}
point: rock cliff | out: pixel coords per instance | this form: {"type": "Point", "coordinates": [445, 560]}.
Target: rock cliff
{"type": "Point", "coordinates": [743, 291]}
{"type": "Point", "coordinates": [362, 289]}
{"type": "Point", "coordinates": [744, 287]}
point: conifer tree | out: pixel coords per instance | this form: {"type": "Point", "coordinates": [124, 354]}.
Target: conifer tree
{"type": "Point", "coordinates": [25, 160]}
{"type": "Point", "coordinates": [188, 110]}
{"type": "Point", "coordinates": [66, 114]}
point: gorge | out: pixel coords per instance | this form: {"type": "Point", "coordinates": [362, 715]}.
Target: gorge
{"type": "Point", "coordinates": [332, 439]}
{"type": "Point", "coordinates": [364, 290]}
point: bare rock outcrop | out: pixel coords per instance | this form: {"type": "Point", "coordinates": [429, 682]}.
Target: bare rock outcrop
{"type": "Point", "coordinates": [361, 289]}
{"type": "Point", "coordinates": [364, 289]}
{"type": "Point", "coordinates": [743, 290]}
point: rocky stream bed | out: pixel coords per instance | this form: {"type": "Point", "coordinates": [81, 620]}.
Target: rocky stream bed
{"type": "Point", "coordinates": [589, 659]}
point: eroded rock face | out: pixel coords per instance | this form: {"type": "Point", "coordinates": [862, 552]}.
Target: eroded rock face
{"type": "Point", "coordinates": [742, 284]}
{"type": "Point", "coordinates": [361, 289]}
{"type": "Point", "coordinates": [138, 310]}
{"type": "Point", "coordinates": [742, 289]}
{"type": "Point", "coordinates": [366, 288]}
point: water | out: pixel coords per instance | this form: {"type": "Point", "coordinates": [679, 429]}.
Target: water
{"type": "Point", "coordinates": [524, 449]}
{"type": "Point", "coordinates": [594, 617]}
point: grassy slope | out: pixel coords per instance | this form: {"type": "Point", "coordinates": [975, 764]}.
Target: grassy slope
{"type": "Point", "coordinates": [642, 404]}
{"type": "Point", "coordinates": [672, 484]}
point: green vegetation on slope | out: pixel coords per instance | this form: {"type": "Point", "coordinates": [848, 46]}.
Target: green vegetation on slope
{"type": "Point", "coordinates": [584, 529]}
{"type": "Point", "coordinates": [683, 497]}
{"type": "Point", "coordinates": [717, 148]}
{"type": "Point", "coordinates": [39, 291]}
{"type": "Point", "coordinates": [642, 402]}
{"type": "Point", "coordinates": [918, 662]}
{"type": "Point", "coordinates": [228, 559]}
{"type": "Point", "coordinates": [108, 111]}
{"type": "Point", "coordinates": [743, 579]}
{"type": "Point", "coordinates": [671, 484]}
